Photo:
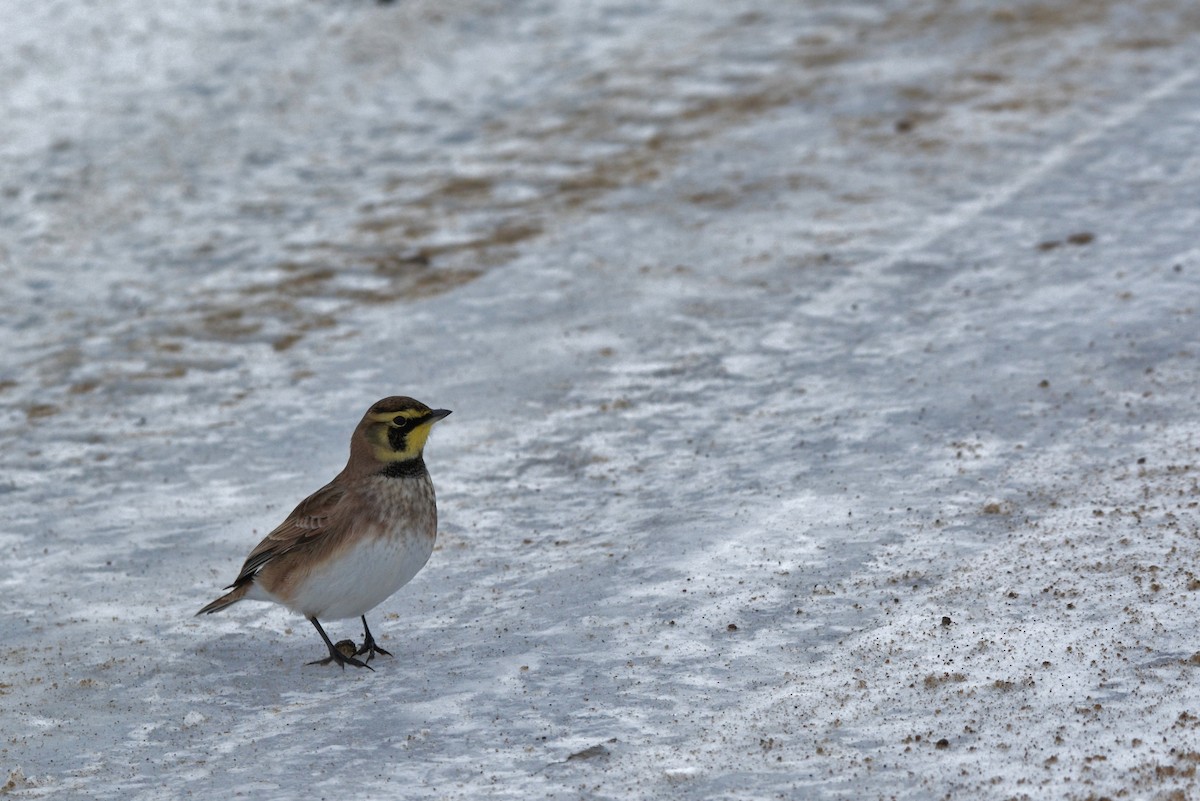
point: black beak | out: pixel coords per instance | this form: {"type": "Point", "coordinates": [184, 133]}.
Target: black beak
{"type": "Point", "coordinates": [438, 414]}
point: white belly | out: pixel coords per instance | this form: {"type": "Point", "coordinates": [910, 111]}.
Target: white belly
{"type": "Point", "coordinates": [362, 577]}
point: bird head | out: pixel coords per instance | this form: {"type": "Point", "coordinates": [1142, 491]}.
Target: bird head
{"type": "Point", "coordinates": [395, 430]}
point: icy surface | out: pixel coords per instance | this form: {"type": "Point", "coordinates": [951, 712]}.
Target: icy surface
{"type": "Point", "coordinates": [824, 374]}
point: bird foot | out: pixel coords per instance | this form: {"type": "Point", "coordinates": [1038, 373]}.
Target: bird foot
{"type": "Point", "coordinates": [343, 654]}
{"type": "Point", "coordinates": [370, 649]}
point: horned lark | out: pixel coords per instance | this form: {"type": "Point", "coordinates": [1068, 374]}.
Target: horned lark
{"type": "Point", "coordinates": [358, 539]}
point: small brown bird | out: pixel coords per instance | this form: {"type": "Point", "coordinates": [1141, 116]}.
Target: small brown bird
{"type": "Point", "coordinates": [351, 544]}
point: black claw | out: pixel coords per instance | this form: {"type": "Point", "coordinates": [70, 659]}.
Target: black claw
{"type": "Point", "coordinates": [369, 647]}
{"type": "Point", "coordinates": [334, 656]}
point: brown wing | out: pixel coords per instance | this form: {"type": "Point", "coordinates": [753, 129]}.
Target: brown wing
{"type": "Point", "coordinates": [308, 522]}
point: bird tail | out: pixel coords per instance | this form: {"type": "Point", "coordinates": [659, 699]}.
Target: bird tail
{"type": "Point", "coordinates": [228, 599]}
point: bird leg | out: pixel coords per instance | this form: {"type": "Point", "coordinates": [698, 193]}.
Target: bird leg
{"type": "Point", "coordinates": [369, 647]}
{"type": "Point", "coordinates": [335, 655]}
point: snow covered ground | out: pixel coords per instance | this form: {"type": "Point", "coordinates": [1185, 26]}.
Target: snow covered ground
{"type": "Point", "coordinates": [824, 376]}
